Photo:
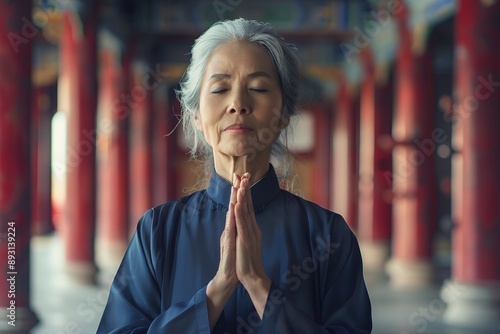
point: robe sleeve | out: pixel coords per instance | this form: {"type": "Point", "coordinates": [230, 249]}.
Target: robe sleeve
{"type": "Point", "coordinates": [134, 303]}
{"type": "Point", "coordinates": [345, 306]}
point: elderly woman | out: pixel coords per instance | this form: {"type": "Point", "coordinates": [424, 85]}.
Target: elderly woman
{"type": "Point", "coordinates": [243, 255]}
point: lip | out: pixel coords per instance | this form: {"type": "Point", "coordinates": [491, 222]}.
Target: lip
{"type": "Point", "coordinates": [238, 128]}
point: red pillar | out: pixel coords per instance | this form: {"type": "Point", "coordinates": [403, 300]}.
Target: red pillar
{"type": "Point", "coordinates": [413, 164]}
{"type": "Point", "coordinates": [375, 192]}
{"type": "Point", "coordinates": [322, 154]}
{"type": "Point", "coordinates": [164, 141]}
{"type": "Point", "coordinates": [345, 153]}
{"type": "Point", "coordinates": [141, 141]}
{"type": "Point", "coordinates": [41, 141]}
{"type": "Point", "coordinates": [78, 94]}
{"type": "Point", "coordinates": [16, 34]}
{"type": "Point", "coordinates": [114, 112]}
{"type": "Point", "coordinates": [475, 281]}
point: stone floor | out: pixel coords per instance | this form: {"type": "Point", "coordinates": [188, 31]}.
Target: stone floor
{"type": "Point", "coordinates": [65, 307]}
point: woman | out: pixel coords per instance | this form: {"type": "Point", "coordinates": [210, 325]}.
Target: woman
{"type": "Point", "coordinates": [242, 256]}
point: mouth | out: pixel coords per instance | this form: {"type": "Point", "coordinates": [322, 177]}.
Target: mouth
{"type": "Point", "coordinates": [238, 129]}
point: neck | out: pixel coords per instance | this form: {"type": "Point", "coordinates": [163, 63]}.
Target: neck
{"type": "Point", "coordinates": [256, 166]}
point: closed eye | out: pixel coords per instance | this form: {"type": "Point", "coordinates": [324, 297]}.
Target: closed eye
{"type": "Point", "coordinates": [219, 91]}
{"type": "Point", "coordinates": [258, 90]}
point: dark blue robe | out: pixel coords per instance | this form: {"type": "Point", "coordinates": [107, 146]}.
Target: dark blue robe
{"type": "Point", "coordinates": [309, 253]}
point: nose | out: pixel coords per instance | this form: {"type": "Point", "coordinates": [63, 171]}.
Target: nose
{"type": "Point", "coordinates": [240, 102]}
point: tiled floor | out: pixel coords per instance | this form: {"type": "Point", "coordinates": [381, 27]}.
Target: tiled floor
{"type": "Point", "coordinates": [64, 306]}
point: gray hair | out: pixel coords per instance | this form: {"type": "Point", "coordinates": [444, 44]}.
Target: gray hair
{"type": "Point", "coordinates": [287, 65]}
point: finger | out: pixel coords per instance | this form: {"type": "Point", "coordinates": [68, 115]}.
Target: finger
{"type": "Point", "coordinates": [248, 210]}
{"type": "Point", "coordinates": [232, 198]}
{"type": "Point", "coordinates": [222, 238]}
{"type": "Point", "coordinates": [230, 219]}
{"type": "Point", "coordinates": [230, 228]}
{"type": "Point", "coordinates": [243, 219]}
{"type": "Point", "coordinates": [230, 223]}
{"type": "Point", "coordinates": [248, 194]}
{"type": "Point", "coordinates": [237, 181]}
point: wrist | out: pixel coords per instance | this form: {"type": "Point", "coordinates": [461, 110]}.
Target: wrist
{"type": "Point", "coordinates": [219, 291]}
{"type": "Point", "coordinates": [217, 296]}
{"type": "Point", "coordinates": [258, 289]}
{"type": "Point", "coordinates": [256, 283]}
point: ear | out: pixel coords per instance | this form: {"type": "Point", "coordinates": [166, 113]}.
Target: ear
{"type": "Point", "coordinates": [197, 121]}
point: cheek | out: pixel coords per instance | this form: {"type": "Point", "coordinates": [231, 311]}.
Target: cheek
{"type": "Point", "coordinates": [210, 129]}
{"type": "Point", "coordinates": [267, 136]}
{"type": "Point", "coordinates": [269, 130]}
{"type": "Point", "coordinates": [208, 117]}
{"type": "Point", "coordinates": [272, 121]}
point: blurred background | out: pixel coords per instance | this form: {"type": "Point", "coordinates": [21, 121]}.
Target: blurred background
{"type": "Point", "coordinates": [398, 131]}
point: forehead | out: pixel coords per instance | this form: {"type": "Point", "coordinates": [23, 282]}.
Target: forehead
{"type": "Point", "coordinates": [240, 56]}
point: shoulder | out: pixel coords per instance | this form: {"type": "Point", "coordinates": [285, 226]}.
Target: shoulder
{"type": "Point", "coordinates": [158, 228]}
{"type": "Point", "coordinates": [162, 218]}
{"type": "Point", "coordinates": [329, 235]}
{"type": "Point", "coordinates": [324, 227]}
{"type": "Point", "coordinates": [315, 212]}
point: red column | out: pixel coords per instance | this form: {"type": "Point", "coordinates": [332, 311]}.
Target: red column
{"type": "Point", "coordinates": [413, 164]}
{"type": "Point", "coordinates": [345, 154]}
{"type": "Point", "coordinates": [41, 200]}
{"type": "Point", "coordinates": [164, 142]}
{"type": "Point", "coordinates": [16, 34]}
{"type": "Point", "coordinates": [114, 112]}
{"type": "Point", "coordinates": [141, 141]}
{"type": "Point", "coordinates": [476, 178]}
{"type": "Point", "coordinates": [375, 192]}
{"type": "Point", "coordinates": [78, 94]}
{"type": "Point", "coordinates": [322, 154]}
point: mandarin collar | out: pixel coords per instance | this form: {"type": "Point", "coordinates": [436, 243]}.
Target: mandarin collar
{"type": "Point", "coordinates": [263, 191]}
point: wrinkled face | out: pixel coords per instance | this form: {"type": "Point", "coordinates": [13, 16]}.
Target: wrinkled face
{"type": "Point", "coordinates": [240, 101]}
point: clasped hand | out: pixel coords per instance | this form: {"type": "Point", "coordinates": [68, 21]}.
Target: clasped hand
{"type": "Point", "coordinates": [240, 248]}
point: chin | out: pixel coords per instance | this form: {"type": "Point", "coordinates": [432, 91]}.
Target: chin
{"type": "Point", "coordinates": [240, 151]}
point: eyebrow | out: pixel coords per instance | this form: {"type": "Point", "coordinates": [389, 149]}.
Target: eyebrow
{"type": "Point", "coordinates": [251, 75]}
